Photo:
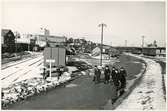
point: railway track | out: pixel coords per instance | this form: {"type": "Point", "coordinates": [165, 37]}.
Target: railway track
{"type": "Point", "coordinates": [4, 66]}
{"type": "Point", "coordinates": [13, 72]}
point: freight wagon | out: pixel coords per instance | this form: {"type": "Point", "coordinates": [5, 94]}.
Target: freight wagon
{"type": "Point", "coordinates": [149, 51]}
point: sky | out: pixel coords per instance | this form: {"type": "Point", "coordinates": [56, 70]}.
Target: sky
{"type": "Point", "coordinates": [125, 20]}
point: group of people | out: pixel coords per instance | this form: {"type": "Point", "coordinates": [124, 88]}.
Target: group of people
{"type": "Point", "coordinates": [117, 76]}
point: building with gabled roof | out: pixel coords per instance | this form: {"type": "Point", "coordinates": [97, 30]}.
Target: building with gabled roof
{"type": "Point", "coordinates": [7, 40]}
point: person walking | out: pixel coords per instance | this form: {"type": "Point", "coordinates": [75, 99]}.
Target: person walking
{"type": "Point", "coordinates": [45, 73]}
{"type": "Point", "coordinates": [97, 74]}
{"type": "Point", "coordinates": [122, 79]}
{"type": "Point", "coordinates": [59, 72]}
{"type": "Point", "coordinates": [115, 79]}
{"type": "Point", "coordinates": [106, 75]}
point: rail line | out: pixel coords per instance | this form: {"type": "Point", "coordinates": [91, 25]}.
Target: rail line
{"type": "Point", "coordinates": [35, 62]}
{"type": "Point", "coordinates": [21, 75]}
{"type": "Point", "coordinates": [30, 65]}
{"type": "Point", "coordinates": [11, 74]}
{"type": "Point", "coordinates": [18, 63]}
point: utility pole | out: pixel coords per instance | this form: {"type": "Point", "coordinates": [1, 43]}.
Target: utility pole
{"type": "Point", "coordinates": [101, 25]}
{"type": "Point", "coordinates": [46, 33]}
{"type": "Point", "coordinates": [125, 43]}
{"type": "Point", "coordinates": [16, 36]}
{"type": "Point", "coordinates": [142, 43]}
{"type": "Point", "coordinates": [111, 43]}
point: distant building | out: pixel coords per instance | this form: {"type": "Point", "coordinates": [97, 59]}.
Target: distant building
{"type": "Point", "coordinates": [7, 40]}
{"type": "Point", "coordinates": [159, 51]}
{"type": "Point", "coordinates": [96, 51]}
{"type": "Point", "coordinates": [153, 45]}
{"type": "Point", "coordinates": [53, 41]}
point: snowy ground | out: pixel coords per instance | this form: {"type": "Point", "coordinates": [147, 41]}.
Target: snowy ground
{"type": "Point", "coordinates": [21, 71]}
{"type": "Point", "coordinates": [148, 95]}
{"type": "Point", "coordinates": [158, 58]}
{"type": "Point", "coordinates": [29, 87]}
{"type": "Point", "coordinates": [25, 69]}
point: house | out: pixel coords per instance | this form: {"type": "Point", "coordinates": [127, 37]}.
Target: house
{"type": "Point", "coordinates": [106, 49]}
{"type": "Point", "coordinates": [113, 52]}
{"type": "Point", "coordinates": [53, 40]}
{"type": "Point", "coordinates": [97, 50]}
{"type": "Point", "coordinates": [7, 41]}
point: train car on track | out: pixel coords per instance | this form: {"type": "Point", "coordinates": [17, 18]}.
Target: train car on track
{"type": "Point", "coordinates": [149, 51]}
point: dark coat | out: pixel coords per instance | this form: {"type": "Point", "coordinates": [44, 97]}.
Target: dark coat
{"type": "Point", "coordinates": [107, 74]}
{"type": "Point", "coordinates": [115, 77]}
{"type": "Point", "coordinates": [97, 72]}
{"type": "Point", "coordinates": [122, 78]}
{"type": "Point", "coordinates": [122, 73]}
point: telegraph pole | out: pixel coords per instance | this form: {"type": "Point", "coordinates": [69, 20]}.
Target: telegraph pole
{"type": "Point", "coordinates": [111, 43]}
{"type": "Point", "coordinates": [125, 43]}
{"type": "Point", "coordinates": [101, 25]}
{"type": "Point", "coordinates": [142, 43]}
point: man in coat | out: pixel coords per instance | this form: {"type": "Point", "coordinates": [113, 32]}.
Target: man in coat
{"type": "Point", "coordinates": [122, 79]}
{"type": "Point", "coordinates": [97, 74]}
{"type": "Point", "coordinates": [115, 79]}
{"type": "Point", "coordinates": [107, 73]}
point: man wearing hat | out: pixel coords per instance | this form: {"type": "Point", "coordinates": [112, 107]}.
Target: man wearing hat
{"type": "Point", "coordinates": [97, 74]}
{"type": "Point", "coordinates": [106, 75]}
{"type": "Point", "coordinates": [122, 79]}
{"type": "Point", "coordinates": [115, 79]}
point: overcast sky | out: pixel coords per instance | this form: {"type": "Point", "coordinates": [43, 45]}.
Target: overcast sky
{"type": "Point", "coordinates": [125, 20]}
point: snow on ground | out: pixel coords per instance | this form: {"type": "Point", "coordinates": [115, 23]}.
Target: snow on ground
{"type": "Point", "coordinates": [71, 69]}
{"type": "Point", "coordinates": [104, 56]}
{"type": "Point", "coordinates": [162, 59]}
{"type": "Point", "coordinates": [165, 79]}
{"type": "Point", "coordinates": [24, 79]}
{"type": "Point", "coordinates": [148, 95]}
{"type": "Point", "coordinates": [25, 70]}
{"type": "Point", "coordinates": [23, 89]}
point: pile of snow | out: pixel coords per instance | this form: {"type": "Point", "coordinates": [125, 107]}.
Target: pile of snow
{"type": "Point", "coordinates": [161, 58]}
{"type": "Point", "coordinates": [71, 68]}
{"type": "Point", "coordinates": [149, 94]}
{"type": "Point", "coordinates": [165, 79]}
{"type": "Point", "coordinates": [22, 90]}
{"type": "Point", "coordinates": [104, 56]}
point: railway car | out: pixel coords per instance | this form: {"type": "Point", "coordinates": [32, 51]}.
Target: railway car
{"type": "Point", "coordinates": [149, 51]}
